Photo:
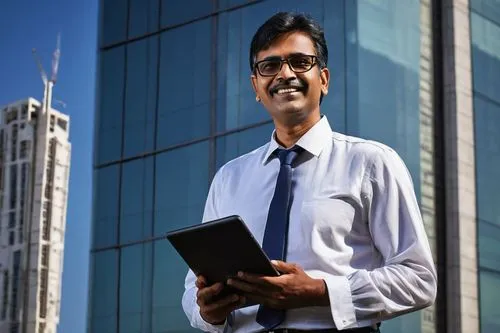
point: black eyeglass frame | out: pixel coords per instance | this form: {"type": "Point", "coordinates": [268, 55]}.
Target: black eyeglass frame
{"type": "Point", "coordinates": [287, 60]}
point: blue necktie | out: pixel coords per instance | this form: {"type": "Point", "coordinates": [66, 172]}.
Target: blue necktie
{"type": "Point", "coordinates": [275, 236]}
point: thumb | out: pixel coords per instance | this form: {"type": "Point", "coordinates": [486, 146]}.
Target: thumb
{"type": "Point", "coordinates": [282, 266]}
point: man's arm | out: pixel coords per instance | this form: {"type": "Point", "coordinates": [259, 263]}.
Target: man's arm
{"type": "Point", "coordinates": [407, 281]}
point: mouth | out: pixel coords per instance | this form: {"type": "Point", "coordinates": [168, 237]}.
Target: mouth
{"type": "Point", "coordinates": [285, 91]}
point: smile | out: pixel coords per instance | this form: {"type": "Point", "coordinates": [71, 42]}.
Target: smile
{"type": "Point", "coordinates": [286, 91]}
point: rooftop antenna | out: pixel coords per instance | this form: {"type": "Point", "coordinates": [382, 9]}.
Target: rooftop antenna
{"type": "Point", "coordinates": [49, 83]}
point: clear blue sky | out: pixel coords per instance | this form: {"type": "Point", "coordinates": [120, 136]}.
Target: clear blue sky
{"type": "Point", "coordinates": [28, 24]}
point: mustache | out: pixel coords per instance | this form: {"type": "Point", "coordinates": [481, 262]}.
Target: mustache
{"type": "Point", "coordinates": [290, 85]}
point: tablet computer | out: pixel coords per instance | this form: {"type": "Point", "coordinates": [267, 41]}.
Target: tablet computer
{"type": "Point", "coordinates": [221, 248]}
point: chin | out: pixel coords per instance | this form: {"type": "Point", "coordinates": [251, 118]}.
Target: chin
{"type": "Point", "coordinates": [290, 107]}
{"type": "Point", "coordinates": [292, 113]}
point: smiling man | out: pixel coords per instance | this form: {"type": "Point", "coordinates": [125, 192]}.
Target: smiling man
{"type": "Point", "coordinates": [337, 214]}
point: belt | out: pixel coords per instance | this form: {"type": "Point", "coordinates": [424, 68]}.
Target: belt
{"type": "Point", "coordinates": [328, 330]}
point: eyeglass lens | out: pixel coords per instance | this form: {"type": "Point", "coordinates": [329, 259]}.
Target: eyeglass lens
{"type": "Point", "coordinates": [297, 63]}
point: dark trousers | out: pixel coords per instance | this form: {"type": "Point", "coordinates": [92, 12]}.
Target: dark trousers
{"type": "Point", "coordinates": [331, 330]}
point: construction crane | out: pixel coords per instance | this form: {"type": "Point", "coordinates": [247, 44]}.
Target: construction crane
{"type": "Point", "coordinates": [48, 84]}
{"type": "Point", "coordinates": [55, 59]}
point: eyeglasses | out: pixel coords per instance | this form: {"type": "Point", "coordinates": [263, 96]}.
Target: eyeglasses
{"type": "Point", "coordinates": [297, 63]}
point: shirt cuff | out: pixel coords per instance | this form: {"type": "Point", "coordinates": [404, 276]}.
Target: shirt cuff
{"type": "Point", "coordinates": [226, 327]}
{"type": "Point", "coordinates": [341, 305]}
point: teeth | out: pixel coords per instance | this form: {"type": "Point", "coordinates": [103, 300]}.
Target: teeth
{"type": "Point", "coordinates": [286, 91]}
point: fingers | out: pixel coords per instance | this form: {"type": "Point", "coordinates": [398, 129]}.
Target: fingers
{"type": "Point", "coordinates": [284, 267]}
{"type": "Point", "coordinates": [201, 282]}
{"type": "Point", "coordinates": [254, 285]}
{"type": "Point", "coordinates": [264, 300]}
{"type": "Point", "coordinates": [217, 312]}
{"type": "Point", "coordinates": [244, 286]}
{"type": "Point", "coordinates": [226, 304]}
{"type": "Point", "coordinates": [268, 282]}
{"type": "Point", "coordinates": [206, 294]}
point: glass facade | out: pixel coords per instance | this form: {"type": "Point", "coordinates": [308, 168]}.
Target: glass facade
{"type": "Point", "coordinates": [175, 102]}
{"type": "Point", "coordinates": [485, 46]}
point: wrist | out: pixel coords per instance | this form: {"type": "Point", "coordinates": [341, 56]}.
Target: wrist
{"type": "Point", "coordinates": [213, 322]}
{"type": "Point", "coordinates": [217, 323]}
{"type": "Point", "coordinates": [319, 293]}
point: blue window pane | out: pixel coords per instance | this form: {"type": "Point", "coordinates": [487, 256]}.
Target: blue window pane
{"type": "Point", "coordinates": [103, 324]}
{"type": "Point", "coordinates": [333, 104]}
{"type": "Point", "coordinates": [409, 323]}
{"type": "Point", "coordinates": [177, 11]}
{"type": "Point", "coordinates": [135, 288]}
{"type": "Point", "coordinates": [143, 17]}
{"type": "Point", "coordinates": [105, 215]}
{"type": "Point", "coordinates": [168, 287]}
{"type": "Point", "coordinates": [110, 105]}
{"type": "Point", "coordinates": [185, 76]}
{"type": "Point", "coordinates": [489, 245]}
{"type": "Point", "coordinates": [225, 4]}
{"type": "Point", "coordinates": [489, 294]}
{"type": "Point", "coordinates": [234, 145]}
{"type": "Point", "coordinates": [487, 142]}
{"type": "Point", "coordinates": [140, 98]}
{"type": "Point", "coordinates": [147, 287]}
{"type": "Point", "coordinates": [131, 261]}
{"type": "Point", "coordinates": [103, 291]}
{"type": "Point", "coordinates": [487, 8]}
{"type": "Point", "coordinates": [486, 56]}
{"type": "Point", "coordinates": [113, 21]}
{"type": "Point", "coordinates": [136, 209]}
{"type": "Point", "coordinates": [383, 81]}
{"type": "Point", "coordinates": [181, 187]}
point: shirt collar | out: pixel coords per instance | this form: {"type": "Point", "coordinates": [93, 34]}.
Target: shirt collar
{"type": "Point", "coordinates": [313, 140]}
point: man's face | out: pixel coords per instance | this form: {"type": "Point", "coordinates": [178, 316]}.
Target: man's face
{"type": "Point", "coordinates": [287, 95]}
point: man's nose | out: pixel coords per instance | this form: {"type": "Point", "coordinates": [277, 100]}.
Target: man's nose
{"type": "Point", "coordinates": [285, 72]}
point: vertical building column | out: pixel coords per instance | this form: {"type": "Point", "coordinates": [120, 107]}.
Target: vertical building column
{"type": "Point", "coordinates": [427, 150]}
{"type": "Point", "coordinates": [461, 254]}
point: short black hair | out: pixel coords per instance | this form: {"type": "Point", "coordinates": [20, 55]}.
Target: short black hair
{"type": "Point", "coordinates": [284, 23]}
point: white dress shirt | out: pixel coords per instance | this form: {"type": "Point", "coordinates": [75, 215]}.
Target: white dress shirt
{"type": "Point", "coordinates": [354, 222]}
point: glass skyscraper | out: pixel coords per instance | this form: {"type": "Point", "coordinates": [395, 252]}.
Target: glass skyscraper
{"type": "Point", "coordinates": [175, 102]}
{"type": "Point", "coordinates": [485, 49]}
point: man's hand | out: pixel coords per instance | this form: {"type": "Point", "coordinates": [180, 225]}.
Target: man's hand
{"type": "Point", "coordinates": [215, 311]}
{"type": "Point", "coordinates": [293, 289]}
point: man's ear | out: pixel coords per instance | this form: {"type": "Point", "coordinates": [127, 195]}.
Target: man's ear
{"type": "Point", "coordinates": [325, 80]}
{"type": "Point", "coordinates": [253, 79]}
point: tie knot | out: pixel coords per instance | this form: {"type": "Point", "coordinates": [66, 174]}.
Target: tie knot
{"type": "Point", "coordinates": [287, 156]}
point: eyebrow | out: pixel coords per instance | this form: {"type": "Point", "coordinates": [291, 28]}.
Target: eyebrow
{"type": "Point", "coordinates": [278, 57]}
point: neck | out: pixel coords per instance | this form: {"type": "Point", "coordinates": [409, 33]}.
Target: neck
{"type": "Point", "coordinates": [288, 134]}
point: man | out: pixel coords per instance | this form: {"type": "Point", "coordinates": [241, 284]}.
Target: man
{"type": "Point", "coordinates": [338, 214]}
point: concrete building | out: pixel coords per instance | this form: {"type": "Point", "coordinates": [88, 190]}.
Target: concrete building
{"type": "Point", "coordinates": [174, 103]}
{"type": "Point", "coordinates": [34, 172]}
